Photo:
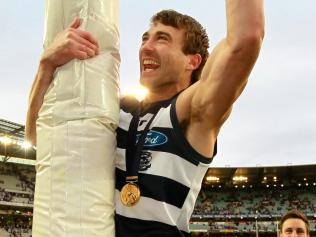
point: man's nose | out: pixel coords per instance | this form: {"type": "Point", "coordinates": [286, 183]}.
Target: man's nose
{"type": "Point", "coordinates": [148, 45]}
{"type": "Point", "coordinates": [294, 234]}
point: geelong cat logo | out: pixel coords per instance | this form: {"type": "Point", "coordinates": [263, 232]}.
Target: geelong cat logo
{"type": "Point", "coordinates": [145, 161]}
{"type": "Point", "coordinates": [154, 138]}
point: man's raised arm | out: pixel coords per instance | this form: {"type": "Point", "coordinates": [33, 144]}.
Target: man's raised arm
{"type": "Point", "coordinates": [225, 74]}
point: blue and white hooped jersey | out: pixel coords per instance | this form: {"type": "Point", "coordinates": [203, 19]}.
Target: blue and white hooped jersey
{"type": "Point", "coordinates": [169, 177]}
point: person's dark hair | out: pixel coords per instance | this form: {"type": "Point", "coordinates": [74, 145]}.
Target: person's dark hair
{"type": "Point", "coordinates": [195, 41]}
{"type": "Point", "coordinates": [295, 214]}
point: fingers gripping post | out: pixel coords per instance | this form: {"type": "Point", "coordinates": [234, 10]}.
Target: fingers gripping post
{"type": "Point", "coordinates": [76, 128]}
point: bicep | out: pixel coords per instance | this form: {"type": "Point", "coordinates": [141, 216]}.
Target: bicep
{"type": "Point", "coordinates": [222, 81]}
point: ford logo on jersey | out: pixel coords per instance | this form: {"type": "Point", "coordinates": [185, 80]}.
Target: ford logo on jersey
{"type": "Point", "coordinates": [153, 138]}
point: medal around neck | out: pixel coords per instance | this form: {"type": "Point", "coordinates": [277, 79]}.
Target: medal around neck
{"type": "Point", "coordinates": [130, 194]}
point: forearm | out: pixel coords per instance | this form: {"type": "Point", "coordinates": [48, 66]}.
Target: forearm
{"type": "Point", "coordinates": [40, 85]}
{"type": "Point", "coordinates": [69, 44]}
{"type": "Point", "coordinates": [245, 22]}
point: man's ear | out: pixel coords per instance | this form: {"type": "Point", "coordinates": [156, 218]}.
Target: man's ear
{"type": "Point", "coordinates": [194, 61]}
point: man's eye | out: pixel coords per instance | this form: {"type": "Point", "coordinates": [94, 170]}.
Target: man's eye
{"type": "Point", "coordinates": [144, 37]}
{"type": "Point", "coordinates": [162, 37]}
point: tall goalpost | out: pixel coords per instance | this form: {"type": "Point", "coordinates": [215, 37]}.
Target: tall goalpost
{"type": "Point", "coordinates": [76, 138]}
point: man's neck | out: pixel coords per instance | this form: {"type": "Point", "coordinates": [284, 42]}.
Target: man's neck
{"type": "Point", "coordinates": [151, 101]}
{"type": "Point", "coordinates": [161, 94]}
{"type": "Point", "coordinates": [156, 97]}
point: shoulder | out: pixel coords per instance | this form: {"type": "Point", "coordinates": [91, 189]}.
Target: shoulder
{"type": "Point", "coordinates": [195, 127]}
{"type": "Point", "coordinates": [129, 104]}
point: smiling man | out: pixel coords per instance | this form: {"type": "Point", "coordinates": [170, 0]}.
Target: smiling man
{"type": "Point", "coordinates": [166, 143]}
{"type": "Point", "coordinates": [294, 224]}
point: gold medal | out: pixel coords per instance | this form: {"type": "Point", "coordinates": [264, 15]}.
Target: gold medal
{"type": "Point", "coordinates": [130, 194]}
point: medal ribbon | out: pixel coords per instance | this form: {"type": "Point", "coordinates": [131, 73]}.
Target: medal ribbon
{"type": "Point", "coordinates": [133, 150]}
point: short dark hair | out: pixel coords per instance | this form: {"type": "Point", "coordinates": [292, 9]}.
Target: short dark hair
{"type": "Point", "coordinates": [295, 214]}
{"type": "Point", "coordinates": [195, 41]}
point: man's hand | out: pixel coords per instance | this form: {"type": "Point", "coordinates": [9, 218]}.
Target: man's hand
{"type": "Point", "coordinates": [70, 44]}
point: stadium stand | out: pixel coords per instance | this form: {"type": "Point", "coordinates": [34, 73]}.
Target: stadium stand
{"type": "Point", "coordinates": [232, 202]}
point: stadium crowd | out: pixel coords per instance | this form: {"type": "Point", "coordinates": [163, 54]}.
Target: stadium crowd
{"type": "Point", "coordinates": [262, 202]}
{"type": "Point", "coordinates": [242, 210]}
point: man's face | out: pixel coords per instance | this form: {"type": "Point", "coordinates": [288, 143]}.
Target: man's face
{"type": "Point", "coordinates": [294, 227]}
{"type": "Point", "coordinates": [162, 62]}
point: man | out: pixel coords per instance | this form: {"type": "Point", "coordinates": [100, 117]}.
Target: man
{"type": "Point", "coordinates": [294, 223]}
{"type": "Point", "coordinates": [166, 143]}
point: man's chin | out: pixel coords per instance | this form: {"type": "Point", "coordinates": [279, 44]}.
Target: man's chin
{"type": "Point", "coordinates": [146, 81]}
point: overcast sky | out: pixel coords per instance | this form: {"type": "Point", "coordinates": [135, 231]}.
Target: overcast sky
{"type": "Point", "coordinates": [273, 122]}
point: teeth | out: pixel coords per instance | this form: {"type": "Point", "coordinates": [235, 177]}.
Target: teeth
{"type": "Point", "coordinates": [150, 61]}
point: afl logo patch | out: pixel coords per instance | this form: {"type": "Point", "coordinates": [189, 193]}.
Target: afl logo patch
{"type": "Point", "coordinates": [154, 138]}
